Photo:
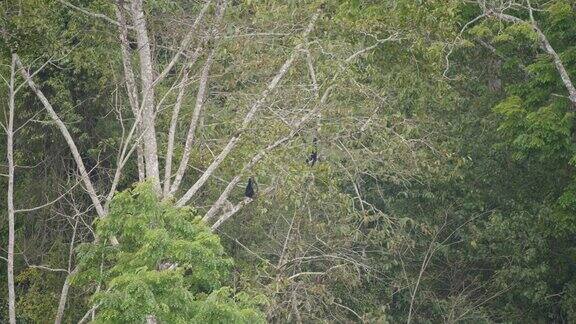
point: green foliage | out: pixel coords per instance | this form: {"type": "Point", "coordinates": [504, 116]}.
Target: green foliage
{"type": "Point", "coordinates": [168, 263]}
{"type": "Point", "coordinates": [35, 304]}
{"type": "Point", "coordinates": [454, 171]}
{"type": "Point", "coordinates": [546, 131]}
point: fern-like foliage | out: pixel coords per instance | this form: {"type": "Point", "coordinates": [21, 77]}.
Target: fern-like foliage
{"type": "Point", "coordinates": [168, 264]}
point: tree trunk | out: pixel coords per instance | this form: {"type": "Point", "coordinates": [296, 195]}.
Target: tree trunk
{"type": "Point", "coordinates": [130, 82]}
{"type": "Point", "coordinates": [200, 98]}
{"type": "Point", "coordinates": [147, 102]}
{"type": "Point", "coordinates": [10, 198]}
{"type": "Point", "coordinates": [64, 298]}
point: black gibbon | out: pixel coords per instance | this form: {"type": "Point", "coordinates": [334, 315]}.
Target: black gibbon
{"type": "Point", "coordinates": [250, 188]}
{"type": "Point", "coordinates": [313, 158]}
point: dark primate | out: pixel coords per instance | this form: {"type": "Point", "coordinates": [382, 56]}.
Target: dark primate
{"type": "Point", "coordinates": [313, 158]}
{"type": "Point", "coordinates": [249, 192]}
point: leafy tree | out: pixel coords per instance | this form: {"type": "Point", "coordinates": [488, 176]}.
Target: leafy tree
{"type": "Point", "coordinates": [169, 264]}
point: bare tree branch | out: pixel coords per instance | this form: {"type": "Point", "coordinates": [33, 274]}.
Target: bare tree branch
{"type": "Point", "coordinates": [185, 43]}
{"type": "Point", "coordinates": [200, 99]}
{"type": "Point", "coordinates": [47, 268]}
{"type": "Point", "coordinates": [89, 13]}
{"type": "Point", "coordinates": [237, 208]}
{"type": "Point", "coordinates": [427, 257]}
{"type": "Point", "coordinates": [24, 210]}
{"type": "Point", "coordinates": [66, 285]}
{"type": "Point", "coordinates": [174, 121]}
{"type": "Point", "coordinates": [247, 119]}
{"type": "Point", "coordinates": [69, 140]}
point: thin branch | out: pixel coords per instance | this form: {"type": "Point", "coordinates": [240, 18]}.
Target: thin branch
{"type": "Point", "coordinates": [43, 267]}
{"type": "Point", "coordinates": [451, 47]}
{"type": "Point", "coordinates": [185, 42]}
{"type": "Point", "coordinates": [200, 100]}
{"type": "Point", "coordinates": [427, 257]}
{"type": "Point", "coordinates": [88, 313]}
{"type": "Point", "coordinates": [24, 210]}
{"type": "Point", "coordinates": [89, 13]}
{"type": "Point", "coordinates": [124, 157]}
{"type": "Point", "coordinates": [305, 274]}
{"type": "Point", "coordinates": [546, 46]}
{"type": "Point", "coordinates": [312, 73]}
{"type": "Point", "coordinates": [64, 130]}
{"type": "Point", "coordinates": [393, 37]}
{"type": "Point", "coordinates": [247, 119]}
{"type": "Point", "coordinates": [237, 208]}
{"type": "Point", "coordinates": [174, 121]}
{"type": "Point", "coordinates": [349, 309]}
{"type": "Point", "coordinates": [247, 249]}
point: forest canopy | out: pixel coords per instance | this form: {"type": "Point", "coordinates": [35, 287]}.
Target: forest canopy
{"type": "Point", "coordinates": [252, 161]}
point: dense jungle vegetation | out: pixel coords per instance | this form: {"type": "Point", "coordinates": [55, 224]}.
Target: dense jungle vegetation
{"type": "Point", "coordinates": [288, 161]}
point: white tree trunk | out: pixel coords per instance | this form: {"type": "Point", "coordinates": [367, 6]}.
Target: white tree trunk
{"type": "Point", "coordinates": [10, 198]}
{"type": "Point", "coordinates": [64, 297]}
{"type": "Point", "coordinates": [130, 82]}
{"type": "Point", "coordinates": [200, 98]}
{"type": "Point", "coordinates": [147, 88]}
{"type": "Point", "coordinates": [174, 121]}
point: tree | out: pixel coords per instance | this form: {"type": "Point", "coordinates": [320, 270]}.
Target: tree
{"type": "Point", "coordinates": [142, 87]}
{"type": "Point", "coordinates": [168, 264]}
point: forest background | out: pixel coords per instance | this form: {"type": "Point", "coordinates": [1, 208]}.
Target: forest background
{"type": "Point", "coordinates": [411, 161]}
